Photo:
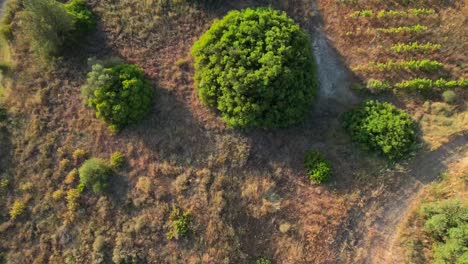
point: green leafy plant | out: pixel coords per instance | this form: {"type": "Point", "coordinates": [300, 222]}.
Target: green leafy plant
{"type": "Point", "coordinates": [382, 127]}
{"type": "Point", "coordinates": [95, 173]}
{"type": "Point", "coordinates": [377, 85]}
{"type": "Point", "coordinates": [413, 65]}
{"type": "Point", "coordinates": [117, 160]}
{"type": "Point", "coordinates": [426, 84]}
{"type": "Point", "coordinates": [262, 260]}
{"type": "Point", "coordinates": [84, 20]}
{"type": "Point", "coordinates": [179, 223]}
{"type": "Point", "coordinates": [447, 223]}
{"type": "Point", "coordinates": [120, 95]}
{"type": "Point", "coordinates": [256, 67]}
{"type": "Point", "coordinates": [406, 29]}
{"type": "Point", "coordinates": [317, 167]}
{"type": "Point", "coordinates": [392, 13]}
{"type": "Point", "coordinates": [415, 47]}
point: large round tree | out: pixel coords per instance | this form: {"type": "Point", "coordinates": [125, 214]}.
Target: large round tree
{"type": "Point", "coordinates": [256, 67]}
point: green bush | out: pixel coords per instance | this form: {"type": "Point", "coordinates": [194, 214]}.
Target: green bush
{"type": "Point", "coordinates": [47, 25]}
{"type": "Point", "coordinates": [382, 127]}
{"type": "Point", "coordinates": [256, 67]}
{"type": "Point", "coordinates": [449, 96]}
{"type": "Point", "coordinates": [263, 260]}
{"type": "Point", "coordinates": [95, 173]}
{"type": "Point", "coordinates": [120, 95]}
{"type": "Point", "coordinates": [117, 160]}
{"type": "Point", "coordinates": [447, 223]}
{"type": "Point", "coordinates": [179, 223]}
{"type": "Point", "coordinates": [50, 25]}
{"type": "Point", "coordinates": [317, 167]}
{"type": "Point", "coordinates": [85, 21]}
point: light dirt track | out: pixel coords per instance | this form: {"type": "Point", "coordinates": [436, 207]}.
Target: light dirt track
{"type": "Point", "coordinates": [368, 235]}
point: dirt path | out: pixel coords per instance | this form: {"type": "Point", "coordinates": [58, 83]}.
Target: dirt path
{"type": "Point", "coordinates": [368, 234]}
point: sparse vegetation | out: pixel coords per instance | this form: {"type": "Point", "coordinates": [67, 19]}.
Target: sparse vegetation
{"type": "Point", "coordinates": [412, 65]}
{"type": "Point", "coordinates": [120, 95]}
{"type": "Point", "coordinates": [117, 160]}
{"type": "Point", "coordinates": [179, 223]}
{"type": "Point", "coordinates": [426, 84]}
{"type": "Point", "coordinates": [256, 67]}
{"type": "Point", "coordinates": [415, 47]}
{"type": "Point", "coordinates": [317, 167]}
{"type": "Point", "coordinates": [392, 13]}
{"type": "Point", "coordinates": [17, 209]}
{"type": "Point", "coordinates": [414, 29]}
{"type": "Point", "coordinates": [382, 127]}
{"type": "Point", "coordinates": [95, 173]}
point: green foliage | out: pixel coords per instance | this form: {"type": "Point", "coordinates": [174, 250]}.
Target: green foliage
{"type": "Point", "coordinates": [415, 47]}
{"type": "Point", "coordinates": [17, 209]}
{"type": "Point", "coordinates": [449, 96]}
{"type": "Point", "coordinates": [50, 25]}
{"type": "Point", "coordinates": [447, 223]}
{"type": "Point", "coordinates": [95, 173]}
{"type": "Point", "coordinates": [406, 29]}
{"type": "Point", "coordinates": [317, 167]}
{"type": "Point", "coordinates": [263, 260]}
{"type": "Point", "coordinates": [46, 24]}
{"type": "Point", "coordinates": [4, 184]}
{"type": "Point", "coordinates": [382, 127]}
{"type": "Point", "coordinates": [413, 65]}
{"type": "Point", "coordinates": [426, 84]}
{"type": "Point", "coordinates": [377, 85]}
{"type": "Point", "coordinates": [85, 21]}
{"type": "Point", "coordinates": [179, 223]}
{"type": "Point", "coordinates": [120, 95]}
{"type": "Point", "coordinates": [117, 160]}
{"type": "Point", "coordinates": [256, 67]}
{"type": "Point", "coordinates": [392, 13]}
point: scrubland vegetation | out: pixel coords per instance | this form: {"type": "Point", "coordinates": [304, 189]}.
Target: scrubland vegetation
{"type": "Point", "coordinates": [196, 132]}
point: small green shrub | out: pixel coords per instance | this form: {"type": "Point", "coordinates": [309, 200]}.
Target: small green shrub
{"type": "Point", "coordinates": [79, 155]}
{"type": "Point", "coordinates": [382, 127]}
{"type": "Point", "coordinates": [85, 21]}
{"type": "Point", "coordinates": [17, 209]}
{"type": "Point", "coordinates": [120, 95]}
{"type": "Point", "coordinates": [263, 260]}
{"type": "Point", "coordinates": [317, 167]}
{"type": "Point", "coordinates": [447, 223]}
{"type": "Point", "coordinates": [179, 223]}
{"type": "Point", "coordinates": [50, 25]}
{"type": "Point", "coordinates": [256, 67]}
{"type": "Point", "coordinates": [449, 96]}
{"type": "Point", "coordinates": [46, 24]}
{"type": "Point", "coordinates": [117, 160]}
{"type": "Point", "coordinates": [95, 173]}
{"type": "Point", "coordinates": [4, 184]}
